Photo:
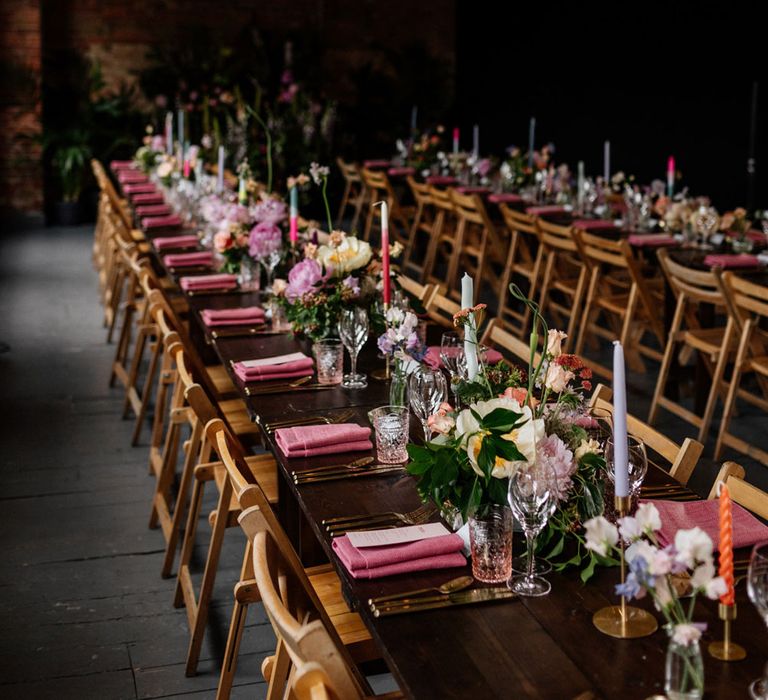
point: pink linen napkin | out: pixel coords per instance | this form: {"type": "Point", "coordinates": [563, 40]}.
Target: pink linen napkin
{"type": "Point", "coordinates": [286, 370]}
{"type": "Point", "coordinates": [116, 165]}
{"type": "Point", "coordinates": [433, 358]}
{"type": "Point", "coordinates": [376, 562]}
{"type": "Point", "coordinates": [203, 282]}
{"type": "Point", "coordinates": [381, 163]}
{"type": "Point", "coordinates": [401, 172]}
{"type": "Point", "coordinates": [465, 189]}
{"type": "Point", "coordinates": [547, 209]}
{"type": "Point", "coordinates": [173, 242]}
{"type": "Point", "coordinates": [727, 261]}
{"type": "Point", "coordinates": [651, 240]}
{"type": "Point", "coordinates": [171, 221]}
{"type": "Point", "coordinates": [132, 177]}
{"type": "Point", "coordinates": [594, 224]}
{"type": "Point", "coordinates": [153, 210]}
{"type": "Point", "coordinates": [507, 197]}
{"type": "Point", "coordinates": [139, 188]}
{"type": "Point", "coordinates": [747, 529]}
{"type": "Point", "coordinates": [148, 198]}
{"type": "Point", "coordinates": [313, 440]}
{"type": "Point", "coordinates": [248, 315]}
{"type": "Point", "coordinates": [440, 180]}
{"type": "Point", "coordinates": [202, 257]}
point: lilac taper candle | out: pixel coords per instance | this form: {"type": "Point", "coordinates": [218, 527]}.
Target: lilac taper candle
{"type": "Point", "coordinates": [620, 442]}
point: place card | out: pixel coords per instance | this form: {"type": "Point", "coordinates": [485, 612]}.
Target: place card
{"type": "Point", "coordinates": [399, 535]}
{"type": "Point", "coordinates": [276, 360]}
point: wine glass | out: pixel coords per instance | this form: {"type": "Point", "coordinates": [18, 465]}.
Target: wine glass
{"type": "Point", "coordinates": [426, 391]}
{"type": "Point", "coordinates": [532, 496]}
{"type": "Point", "coordinates": [353, 331]}
{"type": "Point", "coordinates": [638, 463]}
{"type": "Point", "coordinates": [454, 360]}
{"type": "Point", "coordinates": [757, 589]}
{"type": "Point", "coordinates": [269, 263]}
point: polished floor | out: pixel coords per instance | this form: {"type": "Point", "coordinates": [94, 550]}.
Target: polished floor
{"type": "Point", "coordinates": [83, 610]}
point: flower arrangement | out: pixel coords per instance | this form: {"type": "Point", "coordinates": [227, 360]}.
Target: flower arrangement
{"type": "Point", "coordinates": [735, 222]}
{"type": "Point", "coordinates": [423, 151]}
{"type": "Point", "coordinates": [514, 420]}
{"type": "Point", "coordinates": [663, 572]}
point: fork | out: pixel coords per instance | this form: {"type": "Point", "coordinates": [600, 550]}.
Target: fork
{"type": "Point", "coordinates": [414, 517]}
{"type": "Point", "coordinates": [307, 420]}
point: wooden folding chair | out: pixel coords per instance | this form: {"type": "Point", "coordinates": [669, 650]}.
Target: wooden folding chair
{"type": "Point", "coordinates": [441, 309]}
{"type": "Point", "coordinates": [692, 289]}
{"type": "Point", "coordinates": [520, 264]}
{"type": "Point", "coordinates": [740, 490]}
{"type": "Point", "coordinates": [442, 241]}
{"type": "Point", "coordinates": [354, 193]}
{"type": "Point", "coordinates": [379, 188]}
{"type": "Point", "coordinates": [421, 292]}
{"type": "Point", "coordinates": [682, 459]}
{"type": "Point", "coordinates": [619, 293]}
{"type": "Point", "coordinates": [563, 280]}
{"type": "Point", "coordinates": [747, 304]}
{"type": "Point", "coordinates": [311, 681]}
{"type": "Point", "coordinates": [306, 607]}
{"type": "Point", "coordinates": [726, 470]}
{"type": "Point", "coordinates": [496, 336]}
{"type": "Point", "coordinates": [421, 229]}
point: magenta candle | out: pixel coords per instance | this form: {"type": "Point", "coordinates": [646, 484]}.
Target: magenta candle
{"type": "Point", "coordinates": [294, 215]}
{"type": "Point", "coordinates": [456, 139]}
{"type": "Point", "coordinates": [387, 290]}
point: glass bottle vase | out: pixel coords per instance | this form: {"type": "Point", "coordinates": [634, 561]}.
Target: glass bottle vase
{"type": "Point", "coordinates": [684, 671]}
{"type": "Point", "coordinates": [398, 385]}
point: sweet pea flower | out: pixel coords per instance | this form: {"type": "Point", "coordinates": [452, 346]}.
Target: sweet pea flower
{"type": "Point", "coordinates": [601, 535]}
{"type": "Point", "coordinates": [318, 172]}
{"type": "Point", "coordinates": [555, 342]}
{"type": "Point", "coordinates": [686, 634]}
{"type": "Point", "coordinates": [693, 546]}
{"type": "Point", "coordinates": [648, 518]}
{"type": "Point", "coordinates": [703, 579]}
{"type": "Point", "coordinates": [270, 211]}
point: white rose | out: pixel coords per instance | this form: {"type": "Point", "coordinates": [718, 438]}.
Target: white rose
{"type": "Point", "coordinates": [351, 254]}
{"type": "Point", "coordinates": [557, 378]}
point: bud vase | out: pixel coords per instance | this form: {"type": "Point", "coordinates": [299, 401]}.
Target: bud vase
{"type": "Point", "coordinates": [397, 385]}
{"type": "Point", "coordinates": [684, 676]}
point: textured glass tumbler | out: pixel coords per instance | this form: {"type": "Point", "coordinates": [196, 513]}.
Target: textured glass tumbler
{"type": "Point", "coordinates": [490, 538]}
{"type": "Point", "coordinates": [390, 423]}
{"type": "Point", "coordinates": [329, 358]}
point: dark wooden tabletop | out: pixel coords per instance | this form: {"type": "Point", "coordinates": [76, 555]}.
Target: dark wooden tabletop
{"type": "Point", "coordinates": [526, 648]}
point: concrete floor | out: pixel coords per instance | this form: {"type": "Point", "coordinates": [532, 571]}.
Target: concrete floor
{"type": "Point", "coordinates": [83, 610]}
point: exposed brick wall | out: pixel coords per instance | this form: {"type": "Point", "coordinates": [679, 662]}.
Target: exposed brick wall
{"type": "Point", "coordinates": [21, 175]}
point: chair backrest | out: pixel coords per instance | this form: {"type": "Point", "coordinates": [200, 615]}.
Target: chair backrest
{"type": "Point", "coordinates": [311, 682]}
{"type": "Point", "coordinates": [681, 458]}
{"type": "Point", "coordinates": [299, 618]}
{"type": "Point", "coordinates": [726, 470]}
{"type": "Point", "coordinates": [496, 336]}
{"type": "Point", "coordinates": [470, 207]}
{"type": "Point", "coordinates": [422, 292]}
{"type": "Point", "coordinates": [557, 237]}
{"type": "Point", "coordinates": [420, 190]}
{"type": "Point", "coordinates": [106, 186]}
{"type": "Point", "coordinates": [749, 299]}
{"type": "Point", "coordinates": [349, 171]}
{"type": "Point", "coordinates": [377, 183]}
{"type": "Point", "coordinates": [518, 221]}
{"type": "Point", "coordinates": [442, 309]}
{"type": "Point", "coordinates": [746, 495]}
{"type": "Point", "coordinates": [440, 199]}
{"type": "Point", "coordinates": [697, 286]}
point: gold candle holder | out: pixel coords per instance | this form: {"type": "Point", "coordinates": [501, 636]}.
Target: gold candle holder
{"type": "Point", "coordinates": [383, 374]}
{"type": "Point", "coordinates": [727, 650]}
{"type": "Point", "coordinates": [624, 621]}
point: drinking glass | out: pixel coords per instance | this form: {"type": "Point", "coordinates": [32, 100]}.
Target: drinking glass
{"type": "Point", "coordinates": [532, 496]}
{"type": "Point", "coordinates": [426, 391]}
{"type": "Point", "coordinates": [757, 589]}
{"type": "Point", "coordinates": [638, 463]}
{"type": "Point", "coordinates": [353, 330]}
{"type": "Point", "coordinates": [390, 424]}
{"type": "Point", "coordinates": [454, 360]}
{"type": "Point", "coordinates": [269, 262]}
{"type": "Point", "coordinates": [329, 356]}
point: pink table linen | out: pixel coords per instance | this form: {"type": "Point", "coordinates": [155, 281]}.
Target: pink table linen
{"type": "Point", "coordinates": [747, 529]}
{"type": "Point", "coordinates": [401, 172]}
{"type": "Point", "coordinates": [314, 440]}
{"type": "Point", "coordinates": [504, 197]}
{"type": "Point", "coordinates": [206, 282]}
{"type": "Point", "coordinates": [374, 164]}
{"type": "Point", "coordinates": [202, 257]}
{"type": "Point", "coordinates": [171, 221]}
{"type": "Point", "coordinates": [248, 315]}
{"type": "Point", "coordinates": [132, 177]}
{"type": "Point", "coordinates": [466, 189]}
{"type": "Point", "coordinates": [728, 261]}
{"type": "Point", "coordinates": [651, 240]}
{"type": "Point", "coordinates": [148, 198]}
{"type": "Point", "coordinates": [117, 165]}
{"type": "Point", "coordinates": [153, 210]}
{"type": "Point", "coordinates": [547, 209]}
{"type": "Point", "coordinates": [174, 242]}
{"type": "Point", "coordinates": [139, 188]}
{"type": "Point", "coordinates": [594, 224]}
{"type": "Point", "coordinates": [294, 369]}
{"type": "Point", "coordinates": [377, 562]}
{"type": "Point", "coordinates": [440, 180]}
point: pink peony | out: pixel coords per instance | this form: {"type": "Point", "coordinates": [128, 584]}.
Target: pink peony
{"type": "Point", "coordinates": [269, 211]}
{"type": "Point", "coordinates": [552, 451]}
{"type": "Point", "coordinates": [302, 279]}
{"type": "Point", "coordinates": [265, 239]}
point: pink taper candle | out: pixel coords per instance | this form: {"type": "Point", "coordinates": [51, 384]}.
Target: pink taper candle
{"type": "Point", "coordinates": [670, 176]}
{"type": "Point", "coordinates": [620, 442]}
{"type": "Point", "coordinates": [294, 216]}
{"type": "Point", "coordinates": [456, 139]}
{"type": "Point", "coordinates": [387, 291]}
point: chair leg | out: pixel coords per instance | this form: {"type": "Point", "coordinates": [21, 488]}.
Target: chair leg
{"type": "Point", "coordinates": [142, 336]}
{"type": "Point", "coordinates": [146, 392]}
{"type": "Point", "coordinates": [587, 310]}
{"type": "Point", "coordinates": [730, 401]}
{"type": "Point", "coordinates": [666, 361]}
{"type": "Point", "coordinates": [280, 668]}
{"type": "Point", "coordinates": [717, 379]}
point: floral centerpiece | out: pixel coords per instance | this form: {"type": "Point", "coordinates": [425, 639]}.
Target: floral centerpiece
{"type": "Point", "coordinates": [664, 573]}
{"type": "Point", "coordinates": [401, 343]}
{"type": "Point", "coordinates": [513, 420]}
{"type": "Point", "coordinates": [735, 225]}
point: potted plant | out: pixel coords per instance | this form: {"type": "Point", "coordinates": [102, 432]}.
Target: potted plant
{"type": "Point", "coordinates": [70, 154]}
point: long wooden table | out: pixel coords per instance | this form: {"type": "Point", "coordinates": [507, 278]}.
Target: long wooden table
{"type": "Point", "coordinates": [526, 648]}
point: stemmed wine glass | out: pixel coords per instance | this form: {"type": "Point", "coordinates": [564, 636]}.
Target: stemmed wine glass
{"type": "Point", "coordinates": [454, 360]}
{"type": "Point", "coordinates": [638, 464]}
{"type": "Point", "coordinates": [757, 589]}
{"type": "Point", "coordinates": [426, 391]}
{"type": "Point", "coordinates": [532, 496]}
{"type": "Point", "coordinates": [269, 263]}
{"type": "Point", "coordinates": [353, 331]}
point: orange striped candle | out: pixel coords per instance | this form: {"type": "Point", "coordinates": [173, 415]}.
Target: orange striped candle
{"type": "Point", "coordinates": [726, 545]}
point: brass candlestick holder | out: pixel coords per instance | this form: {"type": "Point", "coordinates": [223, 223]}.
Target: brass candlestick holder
{"type": "Point", "coordinates": [383, 374]}
{"type": "Point", "coordinates": [624, 621]}
{"type": "Point", "coordinates": [727, 650]}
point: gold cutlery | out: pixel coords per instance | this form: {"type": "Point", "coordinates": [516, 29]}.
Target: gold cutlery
{"type": "Point", "coordinates": [211, 292]}
{"type": "Point", "coordinates": [256, 389]}
{"type": "Point", "coordinates": [337, 529]}
{"type": "Point", "coordinates": [308, 420]}
{"type": "Point", "coordinates": [242, 332]}
{"type": "Point", "coordinates": [452, 586]}
{"type": "Point", "coordinates": [346, 474]}
{"type": "Point", "coordinates": [356, 464]}
{"type": "Point", "coordinates": [476, 595]}
{"type": "Point", "coordinates": [413, 517]}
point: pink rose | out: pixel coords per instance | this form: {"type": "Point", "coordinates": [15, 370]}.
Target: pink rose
{"type": "Point", "coordinates": [222, 240]}
{"type": "Point", "coordinates": [557, 378]}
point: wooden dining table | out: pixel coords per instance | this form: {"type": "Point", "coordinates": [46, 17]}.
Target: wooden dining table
{"type": "Point", "coordinates": [543, 647]}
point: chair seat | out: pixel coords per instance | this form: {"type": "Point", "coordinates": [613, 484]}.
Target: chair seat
{"type": "Point", "coordinates": [236, 414]}
{"type": "Point", "coordinates": [759, 364]}
{"type": "Point", "coordinates": [704, 339]}
{"type": "Point", "coordinates": [220, 379]}
{"type": "Point", "coordinates": [264, 470]}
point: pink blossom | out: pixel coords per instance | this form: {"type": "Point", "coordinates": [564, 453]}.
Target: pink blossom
{"type": "Point", "coordinates": [552, 451]}
{"type": "Point", "coordinates": [302, 279]}
{"type": "Point", "coordinates": [222, 240]}
{"type": "Point", "coordinates": [265, 239]}
{"type": "Point", "coordinates": [271, 211]}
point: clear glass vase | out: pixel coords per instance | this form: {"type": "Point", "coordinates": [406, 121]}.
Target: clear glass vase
{"type": "Point", "coordinates": [742, 245]}
{"type": "Point", "coordinates": [398, 385]}
{"type": "Point", "coordinates": [490, 537]}
{"type": "Point", "coordinates": [684, 672]}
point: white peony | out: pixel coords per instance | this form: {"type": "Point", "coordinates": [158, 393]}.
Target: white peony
{"type": "Point", "coordinates": [351, 254]}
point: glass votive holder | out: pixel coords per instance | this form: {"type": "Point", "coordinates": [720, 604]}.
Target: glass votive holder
{"type": "Point", "coordinates": [329, 358]}
{"type": "Point", "coordinates": [250, 275]}
{"type": "Point", "coordinates": [390, 423]}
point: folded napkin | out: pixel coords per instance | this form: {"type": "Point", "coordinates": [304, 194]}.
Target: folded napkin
{"type": "Point", "coordinates": [248, 315]}
{"type": "Point", "coordinates": [507, 197]}
{"type": "Point", "coordinates": [440, 180]}
{"type": "Point", "coordinates": [147, 198]}
{"type": "Point", "coordinates": [139, 188]}
{"type": "Point", "coordinates": [433, 358]}
{"type": "Point", "coordinates": [547, 209]}
{"type": "Point", "coordinates": [116, 165]}
{"type": "Point", "coordinates": [377, 562]}
{"type": "Point", "coordinates": [292, 366]}
{"type": "Point", "coordinates": [171, 221]}
{"type": "Point", "coordinates": [594, 224]}
{"type": "Point", "coordinates": [381, 163]}
{"type": "Point", "coordinates": [651, 240]}
{"type": "Point", "coordinates": [153, 210]}
{"type": "Point", "coordinates": [173, 242]}
{"type": "Point", "coordinates": [683, 515]}
{"type": "Point", "coordinates": [401, 172]}
{"type": "Point", "coordinates": [202, 257]}
{"type": "Point", "coordinates": [465, 189]}
{"type": "Point", "coordinates": [132, 177]}
{"type": "Point", "coordinates": [727, 261]}
{"type": "Point", "coordinates": [313, 440]}
{"type": "Point", "coordinates": [203, 282]}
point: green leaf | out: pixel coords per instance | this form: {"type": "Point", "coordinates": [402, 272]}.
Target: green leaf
{"type": "Point", "coordinates": [557, 549]}
{"type": "Point", "coordinates": [506, 449]}
{"type": "Point", "coordinates": [486, 458]}
{"type": "Point", "coordinates": [589, 570]}
{"type": "Point", "coordinates": [501, 419]}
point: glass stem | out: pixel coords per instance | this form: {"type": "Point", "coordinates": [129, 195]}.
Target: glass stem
{"type": "Point", "coordinates": [427, 431]}
{"type": "Point", "coordinates": [530, 539]}
{"type": "Point", "coordinates": [353, 357]}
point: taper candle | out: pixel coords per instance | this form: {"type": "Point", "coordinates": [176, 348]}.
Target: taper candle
{"type": "Point", "coordinates": [607, 162]}
{"type": "Point", "coordinates": [580, 185]}
{"type": "Point", "coordinates": [294, 215]}
{"type": "Point", "coordinates": [455, 139]}
{"type": "Point", "coordinates": [180, 126]}
{"type": "Point", "coordinates": [242, 191]}
{"type": "Point", "coordinates": [476, 141]}
{"type": "Point", "coordinates": [670, 176]}
{"type": "Point", "coordinates": [169, 133]}
{"type": "Point", "coordinates": [531, 140]}
{"type": "Point", "coordinates": [725, 550]}
{"type": "Point", "coordinates": [386, 279]}
{"type": "Point", "coordinates": [220, 171]}
{"type": "Point", "coordinates": [414, 118]}
{"type": "Point", "coordinates": [470, 330]}
{"type": "Point", "coordinates": [620, 441]}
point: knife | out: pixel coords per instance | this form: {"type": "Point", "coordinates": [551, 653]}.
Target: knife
{"type": "Point", "coordinates": [338, 476]}
{"type": "Point", "coordinates": [477, 595]}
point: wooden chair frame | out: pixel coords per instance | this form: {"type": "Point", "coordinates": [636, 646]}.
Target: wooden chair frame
{"type": "Point", "coordinates": [354, 194]}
